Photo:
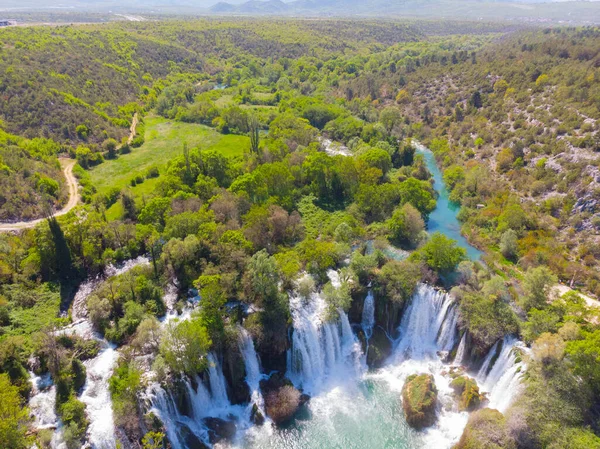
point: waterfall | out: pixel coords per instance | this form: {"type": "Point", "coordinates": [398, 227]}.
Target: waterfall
{"type": "Point", "coordinates": [43, 401]}
{"type": "Point", "coordinates": [460, 352]}
{"type": "Point", "coordinates": [502, 383]}
{"type": "Point", "coordinates": [483, 371]}
{"type": "Point", "coordinates": [164, 406]}
{"type": "Point", "coordinates": [368, 315]}
{"type": "Point", "coordinates": [448, 330]}
{"type": "Point", "coordinates": [218, 385]}
{"type": "Point", "coordinates": [96, 397]}
{"type": "Point", "coordinates": [427, 325]}
{"type": "Point", "coordinates": [253, 373]}
{"type": "Point", "coordinates": [321, 349]}
{"type": "Point", "coordinates": [204, 402]}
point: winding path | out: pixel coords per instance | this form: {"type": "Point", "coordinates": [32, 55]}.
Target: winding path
{"type": "Point", "coordinates": [67, 165]}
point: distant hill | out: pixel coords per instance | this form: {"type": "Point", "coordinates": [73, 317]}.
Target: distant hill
{"type": "Point", "coordinates": [529, 11]}
{"type": "Point", "coordinates": [521, 10]}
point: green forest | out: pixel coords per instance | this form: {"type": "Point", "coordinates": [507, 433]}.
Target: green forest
{"type": "Point", "coordinates": [237, 176]}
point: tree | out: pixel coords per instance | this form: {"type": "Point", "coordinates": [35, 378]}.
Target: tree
{"type": "Point", "coordinates": [585, 355]}
{"type": "Point", "coordinates": [377, 158]}
{"type": "Point", "coordinates": [538, 283]}
{"type": "Point", "coordinates": [417, 193]}
{"type": "Point", "coordinates": [211, 312]}
{"type": "Point", "coordinates": [262, 276]}
{"type": "Point", "coordinates": [548, 348]}
{"type": "Point", "coordinates": [508, 244]}
{"type": "Point", "coordinates": [110, 146]}
{"type": "Point", "coordinates": [128, 205]}
{"type": "Point", "coordinates": [441, 253]}
{"type": "Point", "coordinates": [13, 416]}
{"type": "Point", "coordinates": [475, 100]}
{"type": "Point", "coordinates": [62, 252]}
{"type": "Point", "coordinates": [397, 280]}
{"type": "Point", "coordinates": [184, 346]}
{"type": "Point", "coordinates": [406, 225]}
{"type": "Point", "coordinates": [390, 117]}
{"type": "Point", "coordinates": [147, 336]}
{"type": "Point", "coordinates": [254, 131]}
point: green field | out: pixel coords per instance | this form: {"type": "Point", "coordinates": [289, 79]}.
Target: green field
{"type": "Point", "coordinates": [164, 141]}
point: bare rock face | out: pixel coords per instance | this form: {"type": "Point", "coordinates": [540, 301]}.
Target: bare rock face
{"type": "Point", "coordinates": [219, 429]}
{"type": "Point", "coordinates": [419, 400]}
{"type": "Point", "coordinates": [380, 348]}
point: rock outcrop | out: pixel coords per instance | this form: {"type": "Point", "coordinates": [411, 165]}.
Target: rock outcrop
{"type": "Point", "coordinates": [379, 348]}
{"type": "Point", "coordinates": [467, 393]}
{"type": "Point", "coordinates": [486, 429]}
{"type": "Point", "coordinates": [419, 400]}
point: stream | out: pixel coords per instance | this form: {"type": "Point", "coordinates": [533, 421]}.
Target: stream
{"type": "Point", "coordinates": [444, 217]}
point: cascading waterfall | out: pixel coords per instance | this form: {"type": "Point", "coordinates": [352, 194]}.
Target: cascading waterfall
{"type": "Point", "coordinates": [427, 325]}
{"type": "Point", "coordinates": [97, 400]}
{"type": "Point", "coordinates": [460, 352]}
{"type": "Point", "coordinates": [326, 361]}
{"type": "Point", "coordinates": [321, 349]}
{"type": "Point", "coordinates": [42, 406]}
{"type": "Point", "coordinates": [204, 402]}
{"type": "Point", "coordinates": [43, 401]}
{"type": "Point", "coordinates": [164, 406]}
{"type": "Point", "coordinates": [503, 380]}
{"type": "Point", "coordinates": [368, 316]}
{"type": "Point", "coordinates": [218, 385]}
{"type": "Point", "coordinates": [95, 395]}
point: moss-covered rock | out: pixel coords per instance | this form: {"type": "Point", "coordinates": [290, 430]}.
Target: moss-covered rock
{"type": "Point", "coordinates": [486, 429]}
{"type": "Point", "coordinates": [419, 400]}
{"type": "Point", "coordinates": [379, 348]}
{"type": "Point", "coordinates": [467, 393]}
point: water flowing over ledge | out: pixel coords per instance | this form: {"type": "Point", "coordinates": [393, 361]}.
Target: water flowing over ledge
{"type": "Point", "coordinates": [350, 406]}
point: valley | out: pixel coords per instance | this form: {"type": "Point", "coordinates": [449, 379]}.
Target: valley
{"type": "Point", "coordinates": [243, 233]}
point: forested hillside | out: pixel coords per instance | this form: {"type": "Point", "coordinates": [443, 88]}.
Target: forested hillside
{"type": "Point", "coordinates": [257, 252]}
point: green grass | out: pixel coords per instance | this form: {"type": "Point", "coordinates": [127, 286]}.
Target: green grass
{"type": "Point", "coordinates": [26, 321]}
{"type": "Point", "coordinates": [164, 141]}
{"type": "Point", "coordinates": [224, 101]}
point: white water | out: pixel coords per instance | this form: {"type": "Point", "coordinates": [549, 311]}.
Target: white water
{"type": "Point", "coordinates": [503, 381]}
{"type": "Point", "coordinates": [334, 148]}
{"type": "Point", "coordinates": [96, 397]}
{"type": "Point", "coordinates": [42, 406]}
{"type": "Point", "coordinates": [460, 352]}
{"type": "Point", "coordinates": [322, 350]}
{"type": "Point", "coordinates": [368, 316]}
{"type": "Point", "coordinates": [204, 402]}
{"type": "Point", "coordinates": [253, 371]}
{"type": "Point", "coordinates": [95, 394]}
{"type": "Point", "coordinates": [349, 407]}
{"type": "Point", "coordinates": [352, 408]}
{"type": "Point", "coordinates": [164, 406]}
{"type": "Point", "coordinates": [423, 325]}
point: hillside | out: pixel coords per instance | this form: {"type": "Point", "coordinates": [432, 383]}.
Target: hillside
{"type": "Point", "coordinates": [31, 181]}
